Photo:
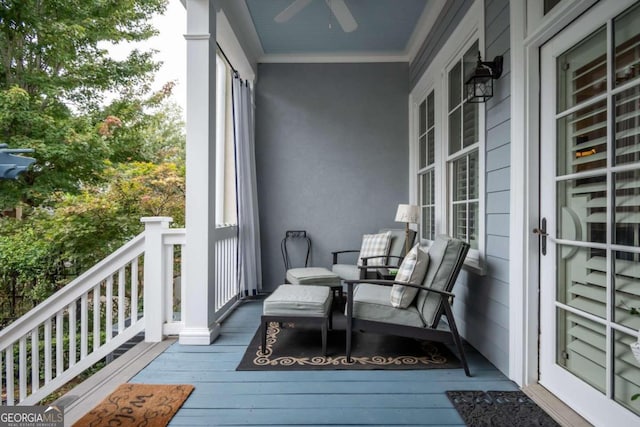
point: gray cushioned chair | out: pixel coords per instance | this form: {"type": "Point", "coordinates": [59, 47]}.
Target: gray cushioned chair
{"type": "Point", "coordinates": [369, 306]}
{"type": "Point", "coordinates": [394, 257]}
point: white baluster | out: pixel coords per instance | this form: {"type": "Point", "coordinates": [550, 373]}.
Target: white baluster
{"type": "Point", "coordinates": [72, 334]}
{"type": "Point", "coordinates": [84, 326]}
{"type": "Point", "coordinates": [109, 315]}
{"type": "Point", "coordinates": [35, 361]}
{"type": "Point", "coordinates": [96, 317]}
{"type": "Point", "coordinates": [10, 376]}
{"type": "Point", "coordinates": [168, 285]}
{"type": "Point", "coordinates": [59, 344]}
{"type": "Point", "coordinates": [47, 351]}
{"type": "Point", "coordinates": [134, 290]}
{"type": "Point", "coordinates": [121, 300]}
{"type": "Point", "coordinates": [22, 369]}
{"type": "Point", "coordinates": [183, 282]}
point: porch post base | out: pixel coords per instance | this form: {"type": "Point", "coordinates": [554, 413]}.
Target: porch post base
{"type": "Point", "coordinates": [199, 336]}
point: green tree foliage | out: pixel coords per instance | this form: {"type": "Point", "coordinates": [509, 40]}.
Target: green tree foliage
{"type": "Point", "coordinates": [55, 70]}
{"type": "Point", "coordinates": [39, 253]}
{"type": "Point", "coordinates": [99, 167]}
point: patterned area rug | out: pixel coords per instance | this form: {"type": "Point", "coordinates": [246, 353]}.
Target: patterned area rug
{"type": "Point", "coordinates": [499, 408]}
{"type": "Point", "coordinates": [149, 405]}
{"type": "Point", "coordinates": [292, 348]}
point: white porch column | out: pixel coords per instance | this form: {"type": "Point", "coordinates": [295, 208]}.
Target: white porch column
{"type": "Point", "coordinates": [200, 327]}
{"type": "Point", "coordinates": [154, 276]}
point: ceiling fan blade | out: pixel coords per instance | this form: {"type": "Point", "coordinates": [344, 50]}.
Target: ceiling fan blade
{"type": "Point", "coordinates": [343, 15]}
{"type": "Point", "coordinates": [291, 11]}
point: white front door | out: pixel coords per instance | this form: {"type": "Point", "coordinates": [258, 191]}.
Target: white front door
{"type": "Point", "coordinates": [590, 202]}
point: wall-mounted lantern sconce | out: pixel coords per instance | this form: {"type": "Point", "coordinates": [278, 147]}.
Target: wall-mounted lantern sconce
{"type": "Point", "coordinates": [479, 86]}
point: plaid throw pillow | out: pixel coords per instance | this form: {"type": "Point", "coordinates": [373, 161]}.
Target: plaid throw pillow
{"type": "Point", "coordinates": [412, 270]}
{"type": "Point", "coordinates": [375, 245]}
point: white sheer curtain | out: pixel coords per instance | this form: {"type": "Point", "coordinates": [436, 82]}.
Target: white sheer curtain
{"type": "Point", "coordinates": [249, 266]}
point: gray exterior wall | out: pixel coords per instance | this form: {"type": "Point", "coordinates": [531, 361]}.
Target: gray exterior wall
{"type": "Point", "coordinates": [331, 155]}
{"type": "Point", "coordinates": [482, 302]}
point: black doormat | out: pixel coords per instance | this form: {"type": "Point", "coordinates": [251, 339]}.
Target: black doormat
{"type": "Point", "coordinates": [499, 408]}
{"type": "Point", "coordinates": [300, 348]}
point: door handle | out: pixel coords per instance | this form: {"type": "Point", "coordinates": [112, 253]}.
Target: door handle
{"type": "Point", "coordinates": [542, 232]}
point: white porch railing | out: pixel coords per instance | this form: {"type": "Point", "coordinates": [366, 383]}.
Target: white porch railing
{"type": "Point", "coordinates": [105, 307]}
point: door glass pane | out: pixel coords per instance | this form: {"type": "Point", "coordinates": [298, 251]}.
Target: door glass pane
{"type": "Point", "coordinates": [581, 278]}
{"type": "Point", "coordinates": [627, 41]}
{"type": "Point", "coordinates": [627, 208]}
{"type": "Point", "coordinates": [627, 285]}
{"type": "Point", "coordinates": [582, 71]}
{"type": "Point", "coordinates": [454, 131]}
{"type": "Point", "coordinates": [581, 345]}
{"type": "Point", "coordinates": [626, 371]}
{"type": "Point", "coordinates": [582, 209]}
{"type": "Point", "coordinates": [455, 86]}
{"type": "Point", "coordinates": [582, 140]}
{"type": "Point", "coordinates": [628, 126]}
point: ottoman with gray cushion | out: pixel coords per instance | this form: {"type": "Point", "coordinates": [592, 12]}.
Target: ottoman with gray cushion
{"type": "Point", "coordinates": [316, 276]}
{"type": "Point", "coordinates": [298, 304]}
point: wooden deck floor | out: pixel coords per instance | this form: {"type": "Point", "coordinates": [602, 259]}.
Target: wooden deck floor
{"type": "Point", "coordinates": [223, 396]}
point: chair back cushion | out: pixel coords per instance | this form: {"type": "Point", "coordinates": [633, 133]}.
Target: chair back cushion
{"type": "Point", "coordinates": [412, 270]}
{"type": "Point", "coordinates": [375, 245]}
{"type": "Point", "coordinates": [397, 241]}
{"type": "Point", "coordinates": [446, 257]}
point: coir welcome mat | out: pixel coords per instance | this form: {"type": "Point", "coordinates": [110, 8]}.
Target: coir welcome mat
{"type": "Point", "coordinates": [149, 405]}
{"type": "Point", "coordinates": [499, 408]}
{"type": "Point", "coordinates": [300, 348]}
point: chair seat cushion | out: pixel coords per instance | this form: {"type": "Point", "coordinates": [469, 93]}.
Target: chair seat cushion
{"type": "Point", "coordinates": [312, 276]}
{"type": "Point", "coordinates": [346, 271]}
{"type": "Point", "coordinates": [303, 301]}
{"type": "Point", "coordinates": [373, 302]}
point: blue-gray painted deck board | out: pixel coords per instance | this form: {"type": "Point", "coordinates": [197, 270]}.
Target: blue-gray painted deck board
{"type": "Point", "coordinates": [224, 396]}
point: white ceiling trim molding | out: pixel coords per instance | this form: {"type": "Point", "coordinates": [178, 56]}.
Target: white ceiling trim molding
{"type": "Point", "coordinates": [346, 57]}
{"type": "Point", "coordinates": [423, 27]}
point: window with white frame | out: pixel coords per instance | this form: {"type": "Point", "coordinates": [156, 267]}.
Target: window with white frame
{"type": "Point", "coordinates": [449, 142]}
{"type": "Point", "coordinates": [426, 173]}
{"type": "Point", "coordinates": [463, 152]}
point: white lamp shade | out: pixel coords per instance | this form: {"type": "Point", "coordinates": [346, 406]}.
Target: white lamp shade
{"type": "Point", "coordinates": [408, 213]}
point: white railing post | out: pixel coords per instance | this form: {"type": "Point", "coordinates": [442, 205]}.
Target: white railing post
{"type": "Point", "coordinates": [154, 272]}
